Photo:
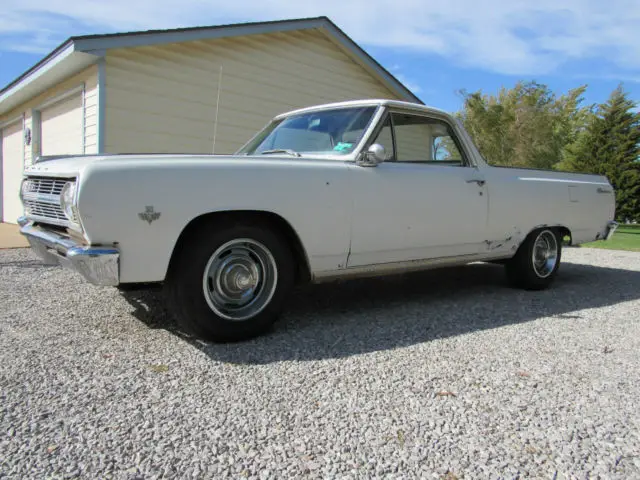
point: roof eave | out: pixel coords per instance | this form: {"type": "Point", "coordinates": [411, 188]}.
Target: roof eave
{"type": "Point", "coordinates": [80, 52]}
{"type": "Point", "coordinates": [160, 37]}
{"type": "Point", "coordinates": [137, 39]}
{"type": "Point", "coordinates": [63, 62]}
{"type": "Point", "coordinates": [369, 63]}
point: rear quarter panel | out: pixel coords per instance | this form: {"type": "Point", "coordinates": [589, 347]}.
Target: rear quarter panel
{"type": "Point", "coordinates": [313, 196]}
{"type": "Point", "coordinates": [523, 199]}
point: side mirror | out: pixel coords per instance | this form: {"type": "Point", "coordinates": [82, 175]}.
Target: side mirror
{"type": "Point", "coordinates": [374, 155]}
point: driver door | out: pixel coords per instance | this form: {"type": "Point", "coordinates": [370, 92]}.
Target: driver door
{"type": "Point", "coordinates": [425, 201]}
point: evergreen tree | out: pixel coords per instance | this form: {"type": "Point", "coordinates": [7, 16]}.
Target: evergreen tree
{"type": "Point", "coordinates": [610, 145]}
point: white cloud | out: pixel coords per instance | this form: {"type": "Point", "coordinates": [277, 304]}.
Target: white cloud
{"type": "Point", "coordinates": [515, 37]}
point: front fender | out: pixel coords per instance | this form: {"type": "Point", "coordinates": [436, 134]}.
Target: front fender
{"type": "Point", "coordinates": [143, 206]}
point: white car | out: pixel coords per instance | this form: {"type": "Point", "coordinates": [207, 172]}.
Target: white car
{"type": "Point", "coordinates": [369, 187]}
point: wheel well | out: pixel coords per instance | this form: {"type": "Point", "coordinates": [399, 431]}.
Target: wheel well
{"type": "Point", "coordinates": [562, 231]}
{"type": "Point", "coordinates": [565, 234]}
{"type": "Point", "coordinates": [267, 219]}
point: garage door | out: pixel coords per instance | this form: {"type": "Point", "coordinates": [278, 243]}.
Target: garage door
{"type": "Point", "coordinates": [61, 127]}
{"type": "Point", "coordinates": [12, 166]}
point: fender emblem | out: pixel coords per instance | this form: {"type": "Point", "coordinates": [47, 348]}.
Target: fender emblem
{"type": "Point", "coordinates": [149, 215]}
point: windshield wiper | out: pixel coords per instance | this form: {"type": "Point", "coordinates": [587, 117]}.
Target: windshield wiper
{"type": "Point", "coordinates": [282, 150]}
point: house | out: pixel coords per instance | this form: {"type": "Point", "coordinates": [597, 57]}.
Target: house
{"type": "Point", "coordinates": [187, 90]}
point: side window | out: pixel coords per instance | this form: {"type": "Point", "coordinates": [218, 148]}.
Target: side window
{"type": "Point", "coordinates": [385, 139]}
{"type": "Point", "coordinates": [425, 140]}
{"type": "Point", "coordinates": [446, 150]}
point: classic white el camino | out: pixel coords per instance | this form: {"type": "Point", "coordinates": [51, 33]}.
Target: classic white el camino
{"type": "Point", "coordinates": [369, 187]}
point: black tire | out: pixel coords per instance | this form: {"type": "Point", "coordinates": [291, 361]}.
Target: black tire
{"type": "Point", "coordinates": [186, 292]}
{"type": "Point", "coordinates": [521, 269]}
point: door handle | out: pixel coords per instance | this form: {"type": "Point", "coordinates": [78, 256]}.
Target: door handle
{"type": "Point", "coordinates": [476, 180]}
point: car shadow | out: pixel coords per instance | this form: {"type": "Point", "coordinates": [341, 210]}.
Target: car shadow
{"type": "Point", "coordinates": [347, 318]}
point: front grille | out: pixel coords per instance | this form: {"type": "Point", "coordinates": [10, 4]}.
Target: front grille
{"type": "Point", "coordinates": [34, 208]}
{"type": "Point", "coordinates": [45, 186]}
{"type": "Point", "coordinates": [41, 199]}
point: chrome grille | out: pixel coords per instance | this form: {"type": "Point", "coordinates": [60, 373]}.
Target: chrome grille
{"type": "Point", "coordinates": [44, 186]}
{"type": "Point", "coordinates": [41, 199]}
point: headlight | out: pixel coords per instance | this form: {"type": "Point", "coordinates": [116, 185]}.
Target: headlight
{"type": "Point", "coordinates": [26, 187]}
{"type": "Point", "coordinates": [67, 200]}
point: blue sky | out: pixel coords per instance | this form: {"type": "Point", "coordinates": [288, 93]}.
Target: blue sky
{"type": "Point", "coordinates": [435, 48]}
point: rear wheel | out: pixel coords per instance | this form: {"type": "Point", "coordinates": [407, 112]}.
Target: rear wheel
{"type": "Point", "coordinates": [536, 263]}
{"type": "Point", "coordinates": [230, 283]}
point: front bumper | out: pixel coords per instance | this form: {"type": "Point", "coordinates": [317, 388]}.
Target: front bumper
{"type": "Point", "coordinates": [98, 265]}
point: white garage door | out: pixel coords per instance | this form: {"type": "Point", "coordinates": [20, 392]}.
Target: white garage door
{"type": "Point", "coordinates": [12, 166]}
{"type": "Point", "coordinates": [61, 127]}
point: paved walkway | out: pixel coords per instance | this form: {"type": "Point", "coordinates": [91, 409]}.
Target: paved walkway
{"type": "Point", "coordinates": [10, 236]}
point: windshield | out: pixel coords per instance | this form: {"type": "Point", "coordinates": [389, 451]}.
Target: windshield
{"type": "Point", "coordinates": [336, 131]}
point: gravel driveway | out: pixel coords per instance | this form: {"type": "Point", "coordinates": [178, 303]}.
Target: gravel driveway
{"type": "Point", "coordinates": [444, 374]}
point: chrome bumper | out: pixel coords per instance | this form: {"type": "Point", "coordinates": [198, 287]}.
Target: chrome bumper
{"type": "Point", "coordinates": [98, 265]}
{"type": "Point", "coordinates": [611, 228]}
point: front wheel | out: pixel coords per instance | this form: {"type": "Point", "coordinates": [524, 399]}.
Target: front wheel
{"type": "Point", "coordinates": [230, 283]}
{"type": "Point", "coordinates": [536, 263]}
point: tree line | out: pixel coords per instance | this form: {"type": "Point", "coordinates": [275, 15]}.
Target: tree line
{"type": "Point", "coordinates": [530, 126]}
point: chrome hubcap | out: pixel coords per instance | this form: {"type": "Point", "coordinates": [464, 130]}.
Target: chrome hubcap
{"type": "Point", "coordinates": [545, 254]}
{"type": "Point", "coordinates": [240, 279]}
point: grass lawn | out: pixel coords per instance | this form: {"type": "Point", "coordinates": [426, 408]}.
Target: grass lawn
{"type": "Point", "coordinates": [626, 238]}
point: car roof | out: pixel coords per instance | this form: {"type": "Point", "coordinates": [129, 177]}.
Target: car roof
{"type": "Point", "coordinates": [373, 102]}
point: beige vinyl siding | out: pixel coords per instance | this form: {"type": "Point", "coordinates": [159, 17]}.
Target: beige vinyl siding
{"type": "Point", "coordinates": [413, 143]}
{"type": "Point", "coordinates": [89, 77]}
{"type": "Point", "coordinates": [163, 98]}
{"type": "Point", "coordinates": [91, 112]}
{"type": "Point", "coordinates": [12, 166]}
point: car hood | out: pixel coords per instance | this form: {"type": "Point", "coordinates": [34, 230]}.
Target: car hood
{"type": "Point", "coordinates": [72, 165]}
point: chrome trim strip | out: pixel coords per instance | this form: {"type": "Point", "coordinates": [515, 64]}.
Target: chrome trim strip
{"type": "Point", "coordinates": [49, 198]}
{"type": "Point", "coordinates": [51, 221]}
{"type": "Point", "coordinates": [98, 265]}
{"type": "Point", "coordinates": [561, 180]}
{"type": "Point", "coordinates": [403, 267]}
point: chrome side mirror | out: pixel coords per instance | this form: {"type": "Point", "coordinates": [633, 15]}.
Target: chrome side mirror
{"type": "Point", "coordinates": [374, 155]}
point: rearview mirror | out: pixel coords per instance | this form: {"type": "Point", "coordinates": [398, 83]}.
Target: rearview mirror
{"type": "Point", "coordinates": [374, 155]}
